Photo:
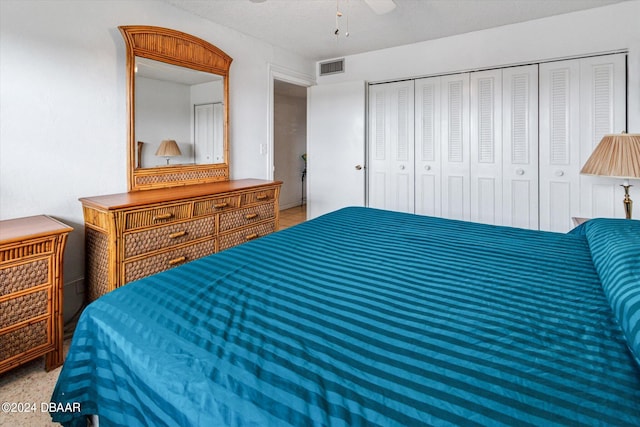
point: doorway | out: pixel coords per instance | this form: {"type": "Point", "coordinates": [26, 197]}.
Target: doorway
{"type": "Point", "coordinates": [290, 142]}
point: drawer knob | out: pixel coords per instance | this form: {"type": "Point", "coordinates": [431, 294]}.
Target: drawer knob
{"type": "Point", "coordinates": [177, 234]}
{"type": "Point", "coordinates": [220, 205]}
{"type": "Point", "coordinates": [251, 236]}
{"type": "Point", "coordinates": [163, 216]}
{"type": "Point", "coordinates": [262, 197]}
{"type": "Point", "coordinates": [250, 216]}
{"type": "Point", "coordinates": [177, 260]}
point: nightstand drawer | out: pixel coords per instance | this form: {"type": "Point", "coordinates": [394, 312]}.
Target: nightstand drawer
{"type": "Point", "coordinates": [145, 241]}
{"type": "Point", "coordinates": [246, 216]}
{"type": "Point", "coordinates": [246, 234]}
{"type": "Point", "coordinates": [147, 266]}
{"type": "Point", "coordinates": [24, 308]}
{"type": "Point", "coordinates": [157, 216]}
{"type": "Point", "coordinates": [19, 277]}
{"type": "Point", "coordinates": [26, 339]}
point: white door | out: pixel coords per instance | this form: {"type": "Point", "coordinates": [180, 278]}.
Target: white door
{"type": "Point", "coordinates": [559, 144]}
{"type": "Point", "coordinates": [454, 117]}
{"type": "Point", "coordinates": [335, 147]}
{"type": "Point", "coordinates": [486, 147]}
{"type": "Point", "coordinates": [204, 134]}
{"type": "Point", "coordinates": [580, 101]}
{"type": "Point", "coordinates": [602, 112]}
{"type": "Point", "coordinates": [391, 147]}
{"type": "Point", "coordinates": [428, 167]}
{"type": "Point", "coordinates": [520, 146]}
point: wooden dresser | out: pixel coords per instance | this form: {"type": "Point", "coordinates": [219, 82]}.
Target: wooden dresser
{"type": "Point", "coordinates": [31, 322]}
{"type": "Point", "coordinates": [133, 235]}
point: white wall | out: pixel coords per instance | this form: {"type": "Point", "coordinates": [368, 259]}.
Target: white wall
{"type": "Point", "coordinates": [63, 105]}
{"type": "Point", "coordinates": [599, 30]}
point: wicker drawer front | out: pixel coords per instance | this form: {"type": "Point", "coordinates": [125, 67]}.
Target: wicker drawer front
{"type": "Point", "coordinates": [246, 216]}
{"type": "Point", "coordinates": [23, 308]}
{"type": "Point", "coordinates": [237, 237]}
{"type": "Point", "coordinates": [24, 276]}
{"type": "Point", "coordinates": [259, 196]}
{"type": "Point", "coordinates": [220, 204]}
{"type": "Point", "coordinates": [134, 270]}
{"type": "Point", "coordinates": [21, 340]}
{"type": "Point", "coordinates": [157, 216]}
{"type": "Point", "coordinates": [141, 242]}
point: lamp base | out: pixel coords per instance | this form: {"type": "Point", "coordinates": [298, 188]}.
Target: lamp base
{"type": "Point", "coordinates": [628, 203]}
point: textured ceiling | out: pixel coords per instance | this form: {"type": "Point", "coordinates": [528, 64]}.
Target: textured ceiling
{"type": "Point", "coordinates": [306, 27]}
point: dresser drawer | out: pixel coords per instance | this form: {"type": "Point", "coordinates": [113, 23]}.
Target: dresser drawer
{"type": "Point", "coordinates": [24, 339]}
{"type": "Point", "coordinates": [141, 242]}
{"type": "Point", "coordinates": [19, 277]}
{"type": "Point", "coordinates": [219, 204]}
{"type": "Point", "coordinates": [246, 234]}
{"type": "Point", "coordinates": [259, 196]}
{"type": "Point", "coordinates": [156, 216]}
{"type": "Point", "coordinates": [147, 266]}
{"type": "Point", "coordinates": [246, 216]}
{"type": "Point", "coordinates": [24, 308]}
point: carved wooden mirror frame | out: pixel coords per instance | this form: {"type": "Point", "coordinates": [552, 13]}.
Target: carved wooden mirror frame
{"type": "Point", "coordinates": [184, 50]}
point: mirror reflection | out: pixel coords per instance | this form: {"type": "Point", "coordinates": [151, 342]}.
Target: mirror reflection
{"type": "Point", "coordinates": [179, 115]}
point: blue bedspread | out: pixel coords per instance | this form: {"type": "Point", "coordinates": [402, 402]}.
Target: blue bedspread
{"type": "Point", "coordinates": [361, 317]}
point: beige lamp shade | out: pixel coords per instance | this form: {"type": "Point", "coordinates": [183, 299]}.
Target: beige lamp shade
{"type": "Point", "coordinates": [168, 148]}
{"type": "Point", "coordinates": [615, 156]}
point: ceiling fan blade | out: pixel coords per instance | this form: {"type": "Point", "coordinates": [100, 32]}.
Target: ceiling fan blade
{"type": "Point", "coordinates": [380, 7]}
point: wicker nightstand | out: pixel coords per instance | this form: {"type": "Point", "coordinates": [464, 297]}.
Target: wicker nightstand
{"type": "Point", "coordinates": [578, 220]}
{"type": "Point", "coordinates": [31, 322]}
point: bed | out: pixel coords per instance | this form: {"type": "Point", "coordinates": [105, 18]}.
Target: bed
{"type": "Point", "coordinates": [370, 317]}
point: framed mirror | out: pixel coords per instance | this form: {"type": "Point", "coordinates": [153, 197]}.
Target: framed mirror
{"type": "Point", "coordinates": [178, 107]}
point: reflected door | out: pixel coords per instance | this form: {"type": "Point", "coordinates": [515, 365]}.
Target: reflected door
{"type": "Point", "coordinates": [208, 133]}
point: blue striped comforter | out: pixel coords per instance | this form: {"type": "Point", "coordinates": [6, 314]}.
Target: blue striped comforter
{"type": "Point", "coordinates": [361, 317]}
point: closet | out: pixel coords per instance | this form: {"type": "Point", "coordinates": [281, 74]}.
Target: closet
{"type": "Point", "coordinates": [501, 146]}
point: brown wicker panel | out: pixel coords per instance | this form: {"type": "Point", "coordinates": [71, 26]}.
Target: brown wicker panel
{"type": "Point", "coordinates": [23, 308]}
{"type": "Point", "coordinates": [170, 235]}
{"type": "Point", "coordinates": [157, 216]}
{"type": "Point", "coordinates": [177, 46]}
{"type": "Point", "coordinates": [97, 263]}
{"type": "Point", "coordinates": [134, 270]}
{"type": "Point", "coordinates": [23, 251]}
{"type": "Point", "coordinates": [207, 175]}
{"type": "Point", "coordinates": [24, 339]}
{"type": "Point", "coordinates": [23, 276]}
{"type": "Point", "coordinates": [206, 207]}
{"type": "Point", "coordinates": [259, 196]}
{"type": "Point", "coordinates": [246, 216]}
{"type": "Point", "coordinates": [235, 238]}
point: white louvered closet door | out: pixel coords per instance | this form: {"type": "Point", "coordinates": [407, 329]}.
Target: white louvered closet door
{"type": "Point", "coordinates": [580, 101]}
{"type": "Point", "coordinates": [391, 146]}
{"type": "Point", "coordinates": [602, 111]}
{"type": "Point", "coordinates": [559, 144]}
{"type": "Point", "coordinates": [454, 119]}
{"type": "Point", "coordinates": [428, 168]}
{"type": "Point", "coordinates": [486, 147]}
{"type": "Point", "coordinates": [520, 146]}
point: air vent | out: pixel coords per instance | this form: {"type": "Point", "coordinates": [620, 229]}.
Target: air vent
{"type": "Point", "coordinates": [332, 67]}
